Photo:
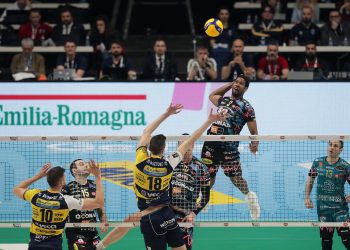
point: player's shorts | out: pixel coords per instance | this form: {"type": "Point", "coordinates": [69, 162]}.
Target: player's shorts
{"type": "Point", "coordinates": [333, 215]}
{"type": "Point", "coordinates": [38, 242]}
{"type": "Point", "coordinates": [226, 155]}
{"type": "Point", "coordinates": [187, 232]}
{"type": "Point", "coordinates": [82, 240]}
{"type": "Point", "coordinates": [160, 228]}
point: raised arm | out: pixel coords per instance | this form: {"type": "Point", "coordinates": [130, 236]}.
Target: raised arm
{"type": "Point", "coordinates": [217, 94]}
{"type": "Point", "coordinates": [98, 201]}
{"type": "Point", "coordinates": [147, 132]}
{"type": "Point", "coordinates": [308, 188]}
{"type": "Point", "coordinates": [253, 129]}
{"type": "Point", "coordinates": [187, 144]}
{"type": "Point", "coordinates": [22, 187]}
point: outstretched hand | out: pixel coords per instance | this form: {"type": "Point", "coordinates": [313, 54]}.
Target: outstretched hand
{"type": "Point", "coordinates": [43, 171]}
{"type": "Point", "coordinates": [174, 109]}
{"type": "Point", "coordinates": [220, 116]}
{"type": "Point", "coordinates": [94, 168]}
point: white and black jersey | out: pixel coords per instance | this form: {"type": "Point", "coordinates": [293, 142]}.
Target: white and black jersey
{"type": "Point", "coordinates": [189, 181]}
{"type": "Point", "coordinates": [80, 191]}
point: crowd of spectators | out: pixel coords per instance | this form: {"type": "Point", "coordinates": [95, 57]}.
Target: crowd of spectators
{"type": "Point", "coordinates": [221, 58]}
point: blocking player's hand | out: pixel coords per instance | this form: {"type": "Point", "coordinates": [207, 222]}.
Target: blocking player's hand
{"type": "Point", "coordinates": [43, 171]}
{"type": "Point", "coordinates": [254, 145]}
{"type": "Point", "coordinates": [347, 198]}
{"type": "Point", "coordinates": [104, 228]}
{"type": "Point", "coordinates": [174, 109]}
{"type": "Point", "coordinates": [191, 217]}
{"type": "Point", "coordinates": [94, 168]}
{"type": "Point", "coordinates": [308, 203]}
{"type": "Point", "coordinates": [220, 116]}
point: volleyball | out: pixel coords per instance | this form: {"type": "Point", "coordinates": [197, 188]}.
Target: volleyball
{"type": "Point", "coordinates": [213, 27]}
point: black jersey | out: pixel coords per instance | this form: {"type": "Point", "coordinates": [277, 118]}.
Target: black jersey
{"type": "Point", "coordinates": [188, 182]}
{"type": "Point", "coordinates": [79, 191]}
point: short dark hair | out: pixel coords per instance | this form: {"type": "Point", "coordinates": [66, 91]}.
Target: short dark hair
{"type": "Point", "coordinates": [264, 6]}
{"type": "Point", "coordinates": [157, 144]}
{"type": "Point", "coordinates": [70, 41]}
{"type": "Point", "coordinates": [310, 42]}
{"type": "Point", "coordinates": [246, 79]}
{"type": "Point", "coordinates": [54, 175]}
{"type": "Point", "coordinates": [72, 165]}
{"type": "Point", "coordinates": [35, 11]}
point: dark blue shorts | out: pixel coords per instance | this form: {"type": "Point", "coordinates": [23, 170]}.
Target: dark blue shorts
{"type": "Point", "coordinates": [160, 228]}
{"type": "Point", "coordinates": [40, 242]}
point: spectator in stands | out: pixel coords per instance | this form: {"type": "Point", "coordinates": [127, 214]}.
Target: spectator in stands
{"type": "Point", "coordinates": [312, 63]}
{"type": "Point", "coordinates": [72, 60]}
{"type": "Point", "coordinates": [297, 10]}
{"type": "Point", "coordinates": [18, 5]}
{"type": "Point", "coordinates": [203, 67]}
{"type": "Point", "coordinates": [279, 6]}
{"type": "Point", "coordinates": [101, 38]}
{"type": "Point", "coordinates": [335, 32]}
{"type": "Point", "coordinates": [102, 35]}
{"type": "Point", "coordinates": [160, 65]}
{"type": "Point", "coordinates": [117, 66]}
{"type": "Point", "coordinates": [220, 46]}
{"type": "Point", "coordinates": [267, 30]}
{"type": "Point", "coordinates": [68, 30]}
{"type": "Point", "coordinates": [27, 61]}
{"type": "Point", "coordinates": [35, 29]}
{"type": "Point", "coordinates": [306, 30]}
{"type": "Point", "coordinates": [344, 9]}
{"type": "Point", "coordinates": [238, 63]}
{"type": "Point", "coordinates": [272, 66]}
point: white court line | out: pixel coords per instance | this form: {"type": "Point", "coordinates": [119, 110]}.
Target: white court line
{"type": "Point", "coordinates": [13, 246]}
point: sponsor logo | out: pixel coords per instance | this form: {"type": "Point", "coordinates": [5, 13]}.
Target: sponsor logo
{"type": "Point", "coordinates": [85, 216]}
{"type": "Point", "coordinates": [255, 224]}
{"type": "Point", "coordinates": [50, 226]}
{"type": "Point", "coordinates": [207, 161]}
{"type": "Point", "coordinates": [315, 224]}
{"type": "Point", "coordinates": [285, 224]}
{"type": "Point", "coordinates": [64, 115]}
{"type": "Point", "coordinates": [167, 223]}
{"type": "Point", "coordinates": [16, 225]}
{"type": "Point", "coordinates": [155, 171]}
{"type": "Point", "coordinates": [47, 204]}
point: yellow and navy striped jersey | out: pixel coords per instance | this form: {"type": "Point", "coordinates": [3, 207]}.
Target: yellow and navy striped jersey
{"type": "Point", "coordinates": [152, 176]}
{"type": "Point", "coordinates": [50, 211]}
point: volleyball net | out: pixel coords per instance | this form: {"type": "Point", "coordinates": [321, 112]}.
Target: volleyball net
{"type": "Point", "coordinates": [277, 174]}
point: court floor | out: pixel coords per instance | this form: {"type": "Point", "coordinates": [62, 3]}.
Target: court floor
{"type": "Point", "coordinates": [210, 238]}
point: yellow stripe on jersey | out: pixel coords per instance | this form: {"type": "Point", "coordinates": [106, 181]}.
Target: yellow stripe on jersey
{"type": "Point", "coordinates": [43, 231]}
{"type": "Point", "coordinates": [141, 154]}
{"type": "Point", "coordinates": [29, 194]}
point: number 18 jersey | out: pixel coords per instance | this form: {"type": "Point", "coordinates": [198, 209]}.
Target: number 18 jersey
{"type": "Point", "coordinates": [152, 176]}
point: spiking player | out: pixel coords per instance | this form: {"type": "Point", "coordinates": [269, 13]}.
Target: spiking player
{"type": "Point", "coordinates": [226, 154]}
{"type": "Point", "coordinates": [51, 208]}
{"type": "Point", "coordinates": [81, 187]}
{"type": "Point", "coordinates": [152, 177]}
{"type": "Point", "coordinates": [190, 182]}
{"type": "Point", "coordinates": [331, 172]}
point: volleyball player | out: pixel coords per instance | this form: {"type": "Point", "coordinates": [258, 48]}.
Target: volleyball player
{"type": "Point", "coordinates": [50, 208]}
{"type": "Point", "coordinates": [190, 191]}
{"type": "Point", "coordinates": [152, 177]}
{"type": "Point", "coordinates": [226, 154]}
{"type": "Point", "coordinates": [331, 172]}
{"type": "Point", "coordinates": [82, 187]}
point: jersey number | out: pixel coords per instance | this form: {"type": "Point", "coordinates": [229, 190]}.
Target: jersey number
{"type": "Point", "coordinates": [85, 192]}
{"type": "Point", "coordinates": [46, 215]}
{"type": "Point", "coordinates": [155, 183]}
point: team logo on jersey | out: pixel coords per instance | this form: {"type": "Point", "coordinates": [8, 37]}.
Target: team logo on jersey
{"type": "Point", "coordinates": [340, 168]}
